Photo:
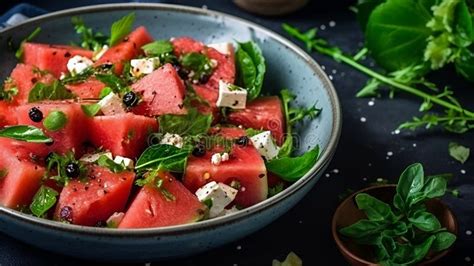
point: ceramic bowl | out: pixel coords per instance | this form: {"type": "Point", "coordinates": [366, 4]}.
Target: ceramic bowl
{"type": "Point", "coordinates": [287, 67]}
{"type": "Point", "coordinates": [347, 213]}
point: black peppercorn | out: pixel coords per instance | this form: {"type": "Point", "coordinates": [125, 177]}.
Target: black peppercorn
{"type": "Point", "coordinates": [72, 170]}
{"type": "Point", "coordinates": [130, 99]}
{"type": "Point", "coordinates": [199, 150]}
{"type": "Point", "coordinates": [242, 141]}
{"type": "Point", "coordinates": [35, 114]}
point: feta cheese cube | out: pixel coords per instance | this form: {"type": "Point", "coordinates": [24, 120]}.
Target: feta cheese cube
{"type": "Point", "coordinates": [172, 139]}
{"type": "Point", "coordinates": [111, 105]}
{"type": "Point", "coordinates": [265, 145]}
{"type": "Point", "coordinates": [219, 194]}
{"type": "Point", "coordinates": [225, 156]}
{"type": "Point", "coordinates": [144, 66]}
{"type": "Point", "coordinates": [231, 96]}
{"type": "Point", "coordinates": [225, 48]}
{"type": "Point", "coordinates": [127, 162]}
{"type": "Point", "coordinates": [100, 53]}
{"type": "Point", "coordinates": [229, 211]}
{"type": "Point", "coordinates": [216, 159]}
{"type": "Point", "coordinates": [78, 63]}
{"type": "Point", "coordinates": [93, 157]}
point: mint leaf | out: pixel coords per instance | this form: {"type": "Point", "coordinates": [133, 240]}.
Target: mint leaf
{"type": "Point", "coordinates": [106, 162]}
{"type": "Point", "coordinates": [55, 91]}
{"type": "Point", "coordinates": [25, 133]}
{"type": "Point", "coordinates": [20, 51]}
{"type": "Point", "coordinates": [158, 48]}
{"type": "Point", "coordinates": [55, 121]}
{"type": "Point", "coordinates": [90, 40]}
{"type": "Point", "coordinates": [91, 109]}
{"type": "Point", "coordinates": [121, 28]}
{"type": "Point", "coordinates": [163, 156]}
{"type": "Point", "coordinates": [293, 168]}
{"type": "Point", "coordinates": [113, 82]}
{"type": "Point", "coordinates": [191, 124]}
{"type": "Point", "coordinates": [459, 152]}
{"type": "Point", "coordinates": [44, 199]}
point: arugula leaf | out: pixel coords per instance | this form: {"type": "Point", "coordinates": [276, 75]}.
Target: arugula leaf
{"type": "Point", "coordinates": [250, 65]}
{"type": "Point", "coordinates": [115, 83]}
{"type": "Point", "coordinates": [121, 28]}
{"type": "Point", "coordinates": [163, 156]}
{"type": "Point", "coordinates": [106, 162]}
{"type": "Point", "coordinates": [20, 51]}
{"type": "Point", "coordinates": [90, 40]}
{"type": "Point", "coordinates": [293, 168]}
{"type": "Point", "coordinates": [56, 120]}
{"type": "Point", "coordinates": [459, 152]}
{"type": "Point", "coordinates": [44, 199]}
{"type": "Point", "coordinates": [25, 133]}
{"type": "Point", "coordinates": [158, 48]}
{"type": "Point", "coordinates": [375, 209]}
{"type": "Point", "coordinates": [55, 91]}
{"type": "Point", "coordinates": [91, 109]}
{"type": "Point", "coordinates": [191, 124]}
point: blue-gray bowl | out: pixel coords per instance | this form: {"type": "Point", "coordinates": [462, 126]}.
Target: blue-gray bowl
{"type": "Point", "coordinates": [287, 67]}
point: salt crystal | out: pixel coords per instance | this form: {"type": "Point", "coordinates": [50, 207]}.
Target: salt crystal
{"type": "Point", "coordinates": [327, 175]}
{"type": "Point", "coordinates": [379, 179]}
{"type": "Point", "coordinates": [463, 171]}
{"type": "Point", "coordinates": [468, 232]}
{"type": "Point", "coordinates": [239, 247]}
{"type": "Point", "coordinates": [332, 23]}
{"type": "Point", "coordinates": [467, 259]}
{"type": "Point", "coordinates": [389, 153]}
{"type": "Point", "coordinates": [365, 178]}
{"type": "Point", "coordinates": [414, 145]}
{"type": "Point", "coordinates": [330, 77]}
{"type": "Point", "coordinates": [336, 171]}
{"type": "Point", "coordinates": [334, 71]}
{"type": "Point", "coordinates": [371, 103]}
{"type": "Point", "coordinates": [322, 27]}
{"type": "Point", "coordinates": [363, 119]}
{"type": "Point", "coordinates": [323, 67]}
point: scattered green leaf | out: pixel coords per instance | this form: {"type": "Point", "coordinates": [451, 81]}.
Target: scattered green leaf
{"type": "Point", "coordinates": [25, 133]}
{"type": "Point", "coordinates": [459, 152]}
{"type": "Point", "coordinates": [55, 120]}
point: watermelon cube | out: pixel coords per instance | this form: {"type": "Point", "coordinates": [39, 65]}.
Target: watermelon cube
{"type": "Point", "coordinates": [264, 113]}
{"type": "Point", "coordinates": [161, 92]}
{"type": "Point", "coordinates": [24, 78]}
{"type": "Point", "coordinates": [184, 45]}
{"type": "Point", "coordinates": [126, 50]}
{"type": "Point", "coordinates": [172, 204]}
{"type": "Point", "coordinates": [71, 137]}
{"type": "Point", "coordinates": [123, 134]}
{"type": "Point", "coordinates": [50, 57]}
{"type": "Point", "coordinates": [87, 89]}
{"type": "Point", "coordinates": [6, 117]}
{"type": "Point", "coordinates": [19, 178]}
{"type": "Point", "coordinates": [245, 168]}
{"type": "Point", "coordinates": [93, 201]}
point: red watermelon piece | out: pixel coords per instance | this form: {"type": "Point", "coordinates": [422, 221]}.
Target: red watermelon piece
{"type": "Point", "coordinates": [161, 92]}
{"type": "Point", "coordinates": [123, 134]}
{"type": "Point", "coordinates": [50, 57]}
{"type": "Point", "coordinates": [151, 208]}
{"type": "Point", "coordinates": [20, 178]}
{"type": "Point", "coordinates": [24, 78]}
{"type": "Point", "coordinates": [225, 69]}
{"type": "Point", "coordinates": [264, 113]}
{"type": "Point", "coordinates": [71, 137]}
{"type": "Point", "coordinates": [245, 166]}
{"type": "Point", "coordinates": [129, 48]}
{"type": "Point", "coordinates": [184, 45]}
{"type": "Point", "coordinates": [228, 132]}
{"type": "Point", "coordinates": [90, 88]}
{"type": "Point", "coordinates": [96, 199]}
{"type": "Point", "coordinates": [6, 117]}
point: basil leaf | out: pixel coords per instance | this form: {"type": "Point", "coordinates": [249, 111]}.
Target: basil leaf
{"type": "Point", "coordinates": [465, 63]}
{"type": "Point", "coordinates": [293, 168]}
{"type": "Point", "coordinates": [396, 33]}
{"type": "Point", "coordinates": [459, 152]}
{"type": "Point", "coordinates": [421, 250]}
{"type": "Point", "coordinates": [78, 78]}
{"type": "Point", "coordinates": [44, 199]}
{"type": "Point", "coordinates": [25, 133]}
{"type": "Point", "coordinates": [425, 221]}
{"type": "Point", "coordinates": [362, 228]}
{"type": "Point", "coordinates": [116, 84]}
{"type": "Point", "coordinates": [55, 91]}
{"type": "Point", "coordinates": [91, 109]}
{"type": "Point", "coordinates": [250, 65]}
{"type": "Point", "coordinates": [55, 121]}
{"type": "Point", "coordinates": [398, 202]}
{"type": "Point", "coordinates": [375, 209]}
{"type": "Point", "coordinates": [397, 229]}
{"type": "Point", "coordinates": [411, 181]}
{"type": "Point", "coordinates": [363, 10]}
{"type": "Point", "coordinates": [435, 187]}
{"type": "Point", "coordinates": [191, 124]}
{"type": "Point", "coordinates": [90, 40]}
{"type": "Point", "coordinates": [442, 241]}
{"type": "Point", "coordinates": [121, 28]}
{"type": "Point", "coordinates": [20, 51]}
{"type": "Point", "coordinates": [163, 156]}
{"type": "Point", "coordinates": [198, 63]}
{"type": "Point", "coordinates": [158, 48]}
{"type": "Point", "coordinates": [106, 162]}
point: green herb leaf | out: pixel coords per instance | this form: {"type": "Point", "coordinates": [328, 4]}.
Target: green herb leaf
{"type": "Point", "coordinates": [78, 78]}
{"type": "Point", "coordinates": [116, 84]}
{"type": "Point", "coordinates": [375, 209]}
{"type": "Point", "coordinates": [362, 228]}
{"type": "Point", "coordinates": [272, 191]}
{"type": "Point", "coordinates": [363, 10]}
{"type": "Point", "coordinates": [55, 91]}
{"type": "Point", "coordinates": [43, 200]}
{"type": "Point", "coordinates": [293, 168]}
{"type": "Point", "coordinates": [55, 121]}
{"type": "Point", "coordinates": [425, 221]}
{"type": "Point", "coordinates": [199, 64]}
{"type": "Point", "coordinates": [105, 161]}
{"type": "Point", "coordinates": [56, 167]}
{"type": "Point", "coordinates": [250, 65]}
{"type": "Point", "coordinates": [291, 260]}
{"type": "Point", "coordinates": [443, 240]}
{"type": "Point", "coordinates": [158, 48]}
{"type": "Point", "coordinates": [104, 92]}
{"type": "Point", "coordinates": [20, 51]}
{"type": "Point", "coordinates": [91, 109]}
{"type": "Point", "coordinates": [250, 132]}
{"type": "Point", "coordinates": [8, 90]}
{"type": "Point", "coordinates": [163, 156]}
{"type": "Point", "coordinates": [411, 181]}
{"type": "Point", "coordinates": [371, 89]}
{"type": "Point", "coordinates": [459, 152]}
{"type": "Point", "coordinates": [90, 40]}
{"type": "Point", "coordinates": [121, 28]}
{"type": "Point", "coordinates": [25, 133]}
{"type": "Point", "coordinates": [191, 124]}
{"type": "Point", "coordinates": [435, 187]}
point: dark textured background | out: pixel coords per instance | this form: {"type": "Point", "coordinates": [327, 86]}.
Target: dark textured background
{"type": "Point", "coordinates": [361, 157]}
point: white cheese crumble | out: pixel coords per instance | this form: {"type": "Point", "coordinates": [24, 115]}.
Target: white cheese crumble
{"type": "Point", "coordinates": [217, 196]}
{"type": "Point", "coordinates": [98, 54]}
{"type": "Point", "coordinates": [265, 145]}
{"type": "Point", "coordinates": [115, 219]}
{"type": "Point", "coordinates": [77, 64]}
{"type": "Point", "coordinates": [172, 139]}
{"type": "Point", "coordinates": [225, 48]}
{"type": "Point", "coordinates": [231, 96]}
{"type": "Point", "coordinates": [218, 158]}
{"type": "Point", "coordinates": [93, 157]}
{"type": "Point", "coordinates": [127, 162]}
{"type": "Point", "coordinates": [111, 105]}
{"type": "Point", "coordinates": [144, 66]}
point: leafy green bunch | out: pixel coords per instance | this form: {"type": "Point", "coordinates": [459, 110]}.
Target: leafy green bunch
{"type": "Point", "coordinates": [406, 232]}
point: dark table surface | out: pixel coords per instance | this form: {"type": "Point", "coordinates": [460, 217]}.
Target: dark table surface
{"type": "Point", "coordinates": [361, 157]}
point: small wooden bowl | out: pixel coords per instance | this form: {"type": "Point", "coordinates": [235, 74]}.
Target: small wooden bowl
{"type": "Point", "coordinates": [347, 213]}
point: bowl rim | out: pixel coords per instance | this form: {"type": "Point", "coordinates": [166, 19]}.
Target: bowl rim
{"type": "Point", "coordinates": [323, 161]}
{"type": "Point", "coordinates": [343, 249]}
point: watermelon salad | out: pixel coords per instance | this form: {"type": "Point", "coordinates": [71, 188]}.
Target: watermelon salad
{"type": "Point", "coordinates": [121, 130]}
